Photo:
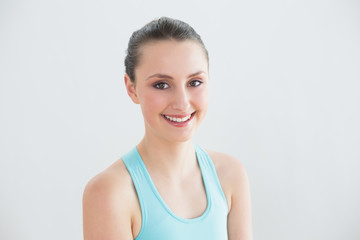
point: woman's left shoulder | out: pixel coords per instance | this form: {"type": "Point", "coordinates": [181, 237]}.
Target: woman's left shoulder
{"type": "Point", "coordinates": [234, 182]}
{"type": "Point", "coordinates": [231, 173]}
{"type": "Point", "coordinates": [227, 165]}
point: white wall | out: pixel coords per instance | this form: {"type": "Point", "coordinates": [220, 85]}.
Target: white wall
{"type": "Point", "coordinates": [285, 86]}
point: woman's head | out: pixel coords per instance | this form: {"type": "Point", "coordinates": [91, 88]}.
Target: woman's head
{"type": "Point", "coordinates": [157, 30]}
{"type": "Point", "coordinates": [167, 74]}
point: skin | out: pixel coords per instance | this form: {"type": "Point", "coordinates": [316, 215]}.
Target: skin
{"type": "Point", "coordinates": [171, 79]}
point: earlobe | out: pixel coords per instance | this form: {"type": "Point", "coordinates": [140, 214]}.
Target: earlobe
{"type": "Point", "coordinates": [130, 88]}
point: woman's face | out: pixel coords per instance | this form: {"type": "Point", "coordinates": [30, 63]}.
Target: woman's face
{"type": "Point", "coordinates": [171, 88]}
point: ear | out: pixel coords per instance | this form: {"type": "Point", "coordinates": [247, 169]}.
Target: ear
{"type": "Point", "coordinates": [130, 88]}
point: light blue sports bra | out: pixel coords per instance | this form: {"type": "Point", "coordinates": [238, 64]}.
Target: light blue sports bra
{"type": "Point", "coordinates": [160, 223]}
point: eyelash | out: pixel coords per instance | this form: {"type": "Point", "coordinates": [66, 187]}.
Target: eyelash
{"type": "Point", "coordinates": [156, 85]}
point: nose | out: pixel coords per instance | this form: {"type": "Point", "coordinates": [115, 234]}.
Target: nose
{"type": "Point", "coordinates": [181, 99]}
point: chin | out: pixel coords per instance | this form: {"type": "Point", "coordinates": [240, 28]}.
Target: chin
{"type": "Point", "coordinates": [180, 137]}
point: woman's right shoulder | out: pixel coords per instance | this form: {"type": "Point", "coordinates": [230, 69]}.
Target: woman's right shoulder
{"type": "Point", "coordinates": [111, 181]}
{"type": "Point", "coordinates": [108, 202]}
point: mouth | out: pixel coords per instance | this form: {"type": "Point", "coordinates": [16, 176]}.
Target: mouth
{"type": "Point", "coordinates": [179, 119]}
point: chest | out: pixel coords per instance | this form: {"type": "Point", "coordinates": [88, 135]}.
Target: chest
{"type": "Point", "coordinates": [187, 199]}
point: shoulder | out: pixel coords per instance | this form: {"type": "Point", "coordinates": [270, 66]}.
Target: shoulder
{"type": "Point", "coordinates": [231, 173]}
{"type": "Point", "coordinates": [234, 180]}
{"type": "Point", "coordinates": [227, 163]}
{"type": "Point", "coordinates": [108, 202]}
{"type": "Point", "coordinates": [110, 183]}
{"type": "Point", "coordinates": [227, 166]}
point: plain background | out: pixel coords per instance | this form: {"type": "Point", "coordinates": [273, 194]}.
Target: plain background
{"type": "Point", "coordinates": [284, 100]}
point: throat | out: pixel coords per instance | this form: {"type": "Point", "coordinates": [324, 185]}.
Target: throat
{"type": "Point", "coordinates": [172, 162]}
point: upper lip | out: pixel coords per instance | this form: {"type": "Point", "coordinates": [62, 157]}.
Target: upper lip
{"type": "Point", "coordinates": [178, 115]}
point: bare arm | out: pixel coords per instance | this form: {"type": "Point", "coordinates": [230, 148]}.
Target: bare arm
{"type": "Point", "coordinates": [239, 218]}
{"type": "Point", "coordinates": [106, 213]}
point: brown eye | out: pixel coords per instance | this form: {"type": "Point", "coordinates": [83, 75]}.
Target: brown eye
{"type": "Point", "coordinates": [195, 83]}
{"type": "Point", "coordinates": [161, 85]}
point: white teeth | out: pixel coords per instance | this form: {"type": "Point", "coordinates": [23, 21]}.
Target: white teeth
{"type": "Point", "coordinates": [179, 120]}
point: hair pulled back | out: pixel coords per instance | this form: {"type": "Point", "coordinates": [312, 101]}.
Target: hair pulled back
{"type": "Point", "coordinates": [164, 28]}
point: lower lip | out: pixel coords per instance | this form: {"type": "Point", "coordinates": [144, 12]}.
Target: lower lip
{"type": "Point", "coordinates": [180, 124]}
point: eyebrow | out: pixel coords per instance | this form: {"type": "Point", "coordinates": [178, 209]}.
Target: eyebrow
{"type": "Point", "coordinates": [159, 75]}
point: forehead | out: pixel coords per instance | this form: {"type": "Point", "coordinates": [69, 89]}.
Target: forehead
{"type": "Point", "coordinates": [171, 57]}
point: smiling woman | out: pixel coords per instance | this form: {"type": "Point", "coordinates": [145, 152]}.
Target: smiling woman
{"type": "Point", "coordinates": [166, 187]}
{"type": "Point", "coordinates": [172, 81]}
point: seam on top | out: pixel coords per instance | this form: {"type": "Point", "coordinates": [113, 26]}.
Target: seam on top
{"type": "Point", "coordinates": [143, 214]}
{"type": "Point", "coordinates": [213, 169]}
{"type": "Point", "coordinates": [139, 195]}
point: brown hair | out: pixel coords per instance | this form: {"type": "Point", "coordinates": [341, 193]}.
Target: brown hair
{"type": "Point", "coordinates": [163, 28]}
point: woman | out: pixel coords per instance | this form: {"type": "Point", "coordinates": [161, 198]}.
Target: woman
{"type": "Point", "coordinates": [166, 187]}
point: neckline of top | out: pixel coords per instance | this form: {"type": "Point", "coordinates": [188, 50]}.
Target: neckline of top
{"type": "Point", "coordinates": [157, 194]}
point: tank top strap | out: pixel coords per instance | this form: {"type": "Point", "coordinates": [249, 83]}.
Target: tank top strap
{"type": "Point", "coordinates": [210, 174]}
{"type": "Point", "coordinates": [133, 163]}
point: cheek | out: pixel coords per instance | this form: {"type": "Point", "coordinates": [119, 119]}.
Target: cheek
{"type": "Point", "coordinates": [201, 99]}
{"type": "Point", "coordinates": [151, 103]}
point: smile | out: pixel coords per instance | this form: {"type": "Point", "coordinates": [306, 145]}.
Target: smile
{"type": "Point", "coordinates": [178, 118]}
{"type": "Point", "coordinates": [174, 119]}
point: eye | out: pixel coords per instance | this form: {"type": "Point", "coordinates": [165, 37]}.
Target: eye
{"type": "Point", "coordinates": [195, 83]}
{"type": "Point", "coordinates": [161, 85]}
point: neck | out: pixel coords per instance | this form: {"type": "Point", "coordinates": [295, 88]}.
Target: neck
{"type": "Point", "coordinates": [170, 159]}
